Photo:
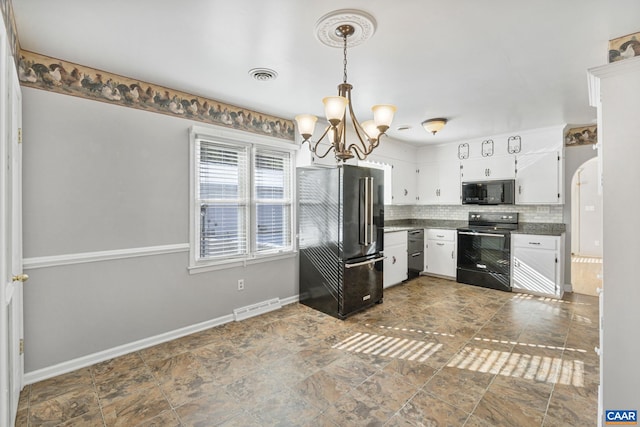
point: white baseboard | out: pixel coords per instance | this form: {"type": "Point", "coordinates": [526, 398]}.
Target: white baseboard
{"type": "Point", "coordinates": [290, 300]}
{"type": "Point", "coordinates": [101, 356]}
{"type": "Point", "coordinates": [568, 287]}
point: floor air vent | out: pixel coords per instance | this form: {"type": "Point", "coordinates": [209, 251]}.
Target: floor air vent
{"type": "Point", "coordinates": [256, 309]}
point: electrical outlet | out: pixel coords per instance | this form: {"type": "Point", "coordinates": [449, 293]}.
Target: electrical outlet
{"type": "Point", "coordinates": [241, 284]}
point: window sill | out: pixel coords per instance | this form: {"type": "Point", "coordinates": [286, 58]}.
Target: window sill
{"type": "Point", "coordinates": [236, 263]}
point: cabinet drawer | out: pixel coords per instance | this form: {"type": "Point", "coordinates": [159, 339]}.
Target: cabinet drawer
{"type": "Point", "coordinates": [535, 241]}
{"type": "Point", "coordinates": [444, 235]}
{"type": "Point", "coordinates": [395, 238]}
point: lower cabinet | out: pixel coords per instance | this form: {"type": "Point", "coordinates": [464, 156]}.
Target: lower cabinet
{"type": "Point", "coordinates": [396, 263]}
{"type": "Point", "coordinates": [537, 264]}
{"type": "Point", "coordinates": [440, 252]}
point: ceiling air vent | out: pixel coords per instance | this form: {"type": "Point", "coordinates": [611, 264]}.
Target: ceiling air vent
{"type": "Point", "coordinates": [263, 74]}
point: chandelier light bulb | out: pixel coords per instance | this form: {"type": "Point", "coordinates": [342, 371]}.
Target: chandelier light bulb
{"type": "Point", "coordinates": [334, 108]}
{"type": "Point", "coordinates": [370, 129]}
{"type": "Point", "coordinates": [383, 115]}
{"type": "Point", "coordinates": [306, 124]}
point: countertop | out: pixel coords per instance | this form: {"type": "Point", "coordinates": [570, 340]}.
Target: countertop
{"type": "Point", "coordinates": [536, 228]}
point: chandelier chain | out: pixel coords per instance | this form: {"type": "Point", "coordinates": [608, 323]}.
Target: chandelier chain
{"type": "Point", "coordinates": [344, 62]}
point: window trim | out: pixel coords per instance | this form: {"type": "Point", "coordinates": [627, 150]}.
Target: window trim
{"type": "Point", "coordinates": [251, 141]}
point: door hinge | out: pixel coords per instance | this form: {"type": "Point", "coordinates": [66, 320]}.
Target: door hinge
{"type": "Point", "coordinates": [21, 346]}
{"type": "Point", "coordinates": [19, 135]}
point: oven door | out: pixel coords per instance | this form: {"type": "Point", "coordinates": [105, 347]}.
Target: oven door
{"type": "Point", "coordinates": [484, 259]}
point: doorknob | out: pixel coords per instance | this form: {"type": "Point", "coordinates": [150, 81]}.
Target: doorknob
{"type": "Point", "coordinates": [20, 278]}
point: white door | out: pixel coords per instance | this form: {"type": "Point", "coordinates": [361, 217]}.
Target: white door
{"type": "Point", "coordinates": [441, 256]}
{"type": "Point", "coordinates": [590, 213]}
{"type": "Point", "coordinates": [428, 181]}
{"type": "Point", "coordinates": [11, 358]}
{"type": "Point", "coordinates": [404, 183]}
{"type": "Point", "coordinates": [535, 270]}
{"type": "Point", "coordinates": [537, 180]}
{"type": "Point", "coordinates": [449, 179]}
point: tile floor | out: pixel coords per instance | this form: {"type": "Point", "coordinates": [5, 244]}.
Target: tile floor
{"type": "Point", "coordinates": [435, 353]}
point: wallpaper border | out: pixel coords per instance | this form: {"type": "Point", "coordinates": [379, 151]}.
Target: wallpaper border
{"type": "Point", "coordinates": [56, 75]}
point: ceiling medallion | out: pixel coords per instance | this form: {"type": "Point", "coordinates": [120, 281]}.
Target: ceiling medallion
{"type": "Point", "coordinates": [364, 26]}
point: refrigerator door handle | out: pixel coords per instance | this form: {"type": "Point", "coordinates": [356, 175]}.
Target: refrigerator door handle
{"type": "Point", "coordinates": [370, 196]}
{"type": "Point", "coordinates": [366, 216]}
{"type": "Point", "coordinates": [370, 261]}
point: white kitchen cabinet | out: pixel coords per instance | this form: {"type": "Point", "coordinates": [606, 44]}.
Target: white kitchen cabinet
{"type": "Point", "coordinates": [395, 266]}
{"type": "Point", "coordinates": [440, 252]}
{"type": "Point", "coordinates": [488, 168]}
{"type": "Point", "coordinates": [439, 183]}
{"type": "Point", "coordinates": [537, 264]}
{"type": "Point", "coordinates": [403, 182]}
{"type": "Point", "coordinates": [539, 178]}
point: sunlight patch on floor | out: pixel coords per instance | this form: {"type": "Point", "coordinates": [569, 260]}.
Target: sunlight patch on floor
{"type": "Point", "coordinates": [523, 344]}
{"type": "Point", "coordinates": [553, 370]}
{"type": "Point", "coordinates": [394, 347]}
{"type": "Point", "coordinates": [419, 331]}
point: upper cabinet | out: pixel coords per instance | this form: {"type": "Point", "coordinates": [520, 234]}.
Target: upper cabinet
{"type": "Point", "coordinates": [439, 183]}
{"type": "Point", "coordinates": [397, 158]}
{"type": "Point", "coordinates": [488, 168]}
{"type": "Point", "coordinates": [538, 178]}
{"type": "Point", "coordinates": [403, 182]}
{"type": "Point", "coordinates": [438, 175]}
{"type": "Point", "coordinates": [534, 158]}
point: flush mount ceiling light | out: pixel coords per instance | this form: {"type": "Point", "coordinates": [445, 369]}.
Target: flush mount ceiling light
{"type": "Point", "coordinates": [434, 125]}
{"type": "Point", "coordinates": [346, 28]}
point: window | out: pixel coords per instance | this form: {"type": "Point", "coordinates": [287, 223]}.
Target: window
{"type": "Point", "coordinates": [243, 200]}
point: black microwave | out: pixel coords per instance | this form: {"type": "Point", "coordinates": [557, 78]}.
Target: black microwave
{"type": "Point", "coordinates": [500, 192]}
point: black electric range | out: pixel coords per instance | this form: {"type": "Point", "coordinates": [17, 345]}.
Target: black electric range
{"type": "Point", "coordinates": [484, 250]}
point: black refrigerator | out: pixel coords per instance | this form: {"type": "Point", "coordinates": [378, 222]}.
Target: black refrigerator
{"type": "Point", "coordinates": [340, 238]}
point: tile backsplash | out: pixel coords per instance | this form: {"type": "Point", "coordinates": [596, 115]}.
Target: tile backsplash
{"type": "Point", "coordinates": [545, 213]}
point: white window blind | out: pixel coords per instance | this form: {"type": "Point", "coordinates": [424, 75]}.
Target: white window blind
{"type": "Point", "coordinates": [272, 199]}
{"type": "Point", "coordinates": [244, 201]}
{"type": "Point", "coordinates": [223, 199]}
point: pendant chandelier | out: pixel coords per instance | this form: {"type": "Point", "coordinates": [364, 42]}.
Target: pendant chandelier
{"type": "Point", "coordinates": [368, 133]}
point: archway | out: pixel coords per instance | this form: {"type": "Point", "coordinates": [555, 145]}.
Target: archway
{"type": "Point", "coordinates": [586, 229]}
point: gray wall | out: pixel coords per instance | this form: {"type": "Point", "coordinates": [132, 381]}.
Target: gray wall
{"type": "Point", "coordinates": [99, 177]}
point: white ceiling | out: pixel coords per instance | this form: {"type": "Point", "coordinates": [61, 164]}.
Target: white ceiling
{"type": "Point", "coordinates": [489, 66]}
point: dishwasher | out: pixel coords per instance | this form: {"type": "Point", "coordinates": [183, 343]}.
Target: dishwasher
{"type": "Point", "coordinates": [415, 252]}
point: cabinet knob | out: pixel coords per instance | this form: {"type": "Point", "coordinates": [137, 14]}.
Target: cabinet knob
{"type": "Point", "coordinates": [393, 260]}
